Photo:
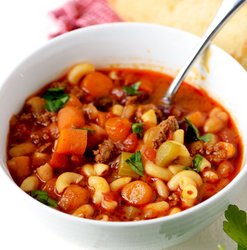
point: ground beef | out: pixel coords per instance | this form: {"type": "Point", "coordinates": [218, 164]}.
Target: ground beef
{"type": "Point", "coordinates": [104, 103]}
{"type": "Point", "coordinates": [21, 132]}
{"type": "Point", "coordinates": [118, 94]}
{"type": "Point", "coordinates": [78, 92]}
{"type": "Point", "coordinates": [39, 137]}
{"type": "Point", "coordinates": [165, 128]}
{"type": "Point", "coordinates": [173, 199]}
{"type": "Point", "coordinates": [44, 119]}
{"type": "Point", "coordinates": [105, 152]}
{"type": "Point", "coordinates": [214, 152]}
{"type": "Point", "coordinates": [27, 117]}
{"type": "Point", "coordinates": [61, 84]}
{"type": "Point", "coordinates": [136, 99]}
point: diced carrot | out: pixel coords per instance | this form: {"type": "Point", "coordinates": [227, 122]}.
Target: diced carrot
{"type": "Point", "coordinates": [73, 197]}
{"type": "Point", "coordinates": [70, 117]}
{"type": "Point", "coordinates": [118, 128]}
{"type": "Point", "coordinates": [146, 86]}
{"type": "Point", "coordinates": [73, 101]}
{"type": "Point", "coordinates": [72, 141]}
{"type": "Point", "coordinates": [58, 160]}
{"type": "Point", "coordinates": [19, 167]}
{"type": "Point", "coordinates": [137, 193]}
{"type": "Point", "coordinates": [97, 84]}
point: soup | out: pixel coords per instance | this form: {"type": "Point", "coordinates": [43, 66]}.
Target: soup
{"type": "Point", "coordinates": [99, 144]}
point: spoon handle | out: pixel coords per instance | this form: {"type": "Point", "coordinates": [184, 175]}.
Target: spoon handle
{"type": "Point", "coordinates": [226, 10]}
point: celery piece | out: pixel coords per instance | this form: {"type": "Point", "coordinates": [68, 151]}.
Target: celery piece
{"type": "Point", "coordinates": [124, 169]}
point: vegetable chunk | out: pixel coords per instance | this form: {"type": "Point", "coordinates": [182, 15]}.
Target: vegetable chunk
{"type": "Point", "coordinates": [72, 141]}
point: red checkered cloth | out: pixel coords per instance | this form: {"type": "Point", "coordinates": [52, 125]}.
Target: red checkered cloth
{"type": "Point", "coordinates": [80, 13]}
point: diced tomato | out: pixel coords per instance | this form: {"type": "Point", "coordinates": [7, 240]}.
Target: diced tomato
{"type": "Point", "coordinates": [58, 160]}
{"type": "Point", "coordinates": [146, 86]}
{"type": "Point", "coordinates": [130, 143]}
{"type": "Point", "coordinates": [101, 119]}
{"type": "Point", "coordinates": [149, 153]}
{"type": "Point", "coordinates": [50, 188]}
{"type": "Point", "coordinates": [96, 136]}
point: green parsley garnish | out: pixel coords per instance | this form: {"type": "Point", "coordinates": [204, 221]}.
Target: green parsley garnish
{"type": "Point", "coordinates": [206, 137]}
{"type": "Point", "coordinates": [192, 133]}
{"type": "Point", "coordinates": [197, 161]}
{"type": "Point", "coordinates": [135, 162]}
{"type": "Point", "coordinates": [133, 89]}
{"type": "Point", "coordinates": [55, 99]}
{"type": "Point", "coordinates": [235, 226]}
{"type": "Point", "coordinates": [43, 197]}
{"type": "Point", "coordinates": [137, 128]}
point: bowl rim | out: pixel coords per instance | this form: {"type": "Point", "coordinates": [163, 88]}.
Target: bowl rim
{"type": "Point", "coordinates": [116, 224]}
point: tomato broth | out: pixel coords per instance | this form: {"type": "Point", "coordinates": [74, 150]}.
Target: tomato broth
{"type": "Point", "coordinates": [99, 144]}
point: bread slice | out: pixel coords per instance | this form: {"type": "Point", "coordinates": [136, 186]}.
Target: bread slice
{"type": "Point", "coordinates": [190, 15]}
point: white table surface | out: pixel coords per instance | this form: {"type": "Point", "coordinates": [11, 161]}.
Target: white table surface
{"type": "Point", "coordinates": [24, 26]}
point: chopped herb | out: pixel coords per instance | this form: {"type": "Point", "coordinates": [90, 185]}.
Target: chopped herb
{"type": "Point", "coordinates": [137, 128]}
{"type": "Point", "coordinates": [133, 89]}
{"type": "Point", "coordinates": [235, 226]}
{"type": "Point", "coordinates": [135, 162]}
{"type": "Point", "coordinates": [43, 197]}
{"type": "Point", "coordinates": [192, 133]}
{"type": "Point", "coordinates": [197, 162]}
{"type": "Point", "coordinates": [55, 99]}
{"type": "Point", "coordinates": [206, 138]}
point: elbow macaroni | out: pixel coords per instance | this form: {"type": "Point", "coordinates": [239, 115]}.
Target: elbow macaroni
{"type": "Point", "coordinates": [156, 171]}
{"type": "Point", "coordinates": [173, 184]}
{"type": "Point", "coordinates": [100, 186]}
{"type": "Point", "coordinates": [78, 71]}
{"type": "Point", "coordinates": [65, 179]}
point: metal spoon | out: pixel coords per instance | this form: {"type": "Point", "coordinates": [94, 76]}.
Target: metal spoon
{"type": "Point", "coordinates": [226, 10]}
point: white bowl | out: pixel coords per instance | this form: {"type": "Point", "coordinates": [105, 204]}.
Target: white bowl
{"type": "Point", "coordinates": [136, 45]}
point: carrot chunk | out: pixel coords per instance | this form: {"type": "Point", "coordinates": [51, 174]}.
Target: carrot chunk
{"type": "Point", "coordinates": [73, 197]}
{"type": "Point", "coordinates": [70, 117]}
{"type": "Point", "coordinates": [137, 193]}
{"type": "Point", "coordinates": [97, 84]}
{"type": "Point", "coordinates": [118, 128]}
{"type": "Point", "coordinates": [72, 141]}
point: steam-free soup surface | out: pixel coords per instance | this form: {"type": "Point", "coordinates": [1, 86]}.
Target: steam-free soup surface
{"type": "Point", "coordinates": [98, 144]}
